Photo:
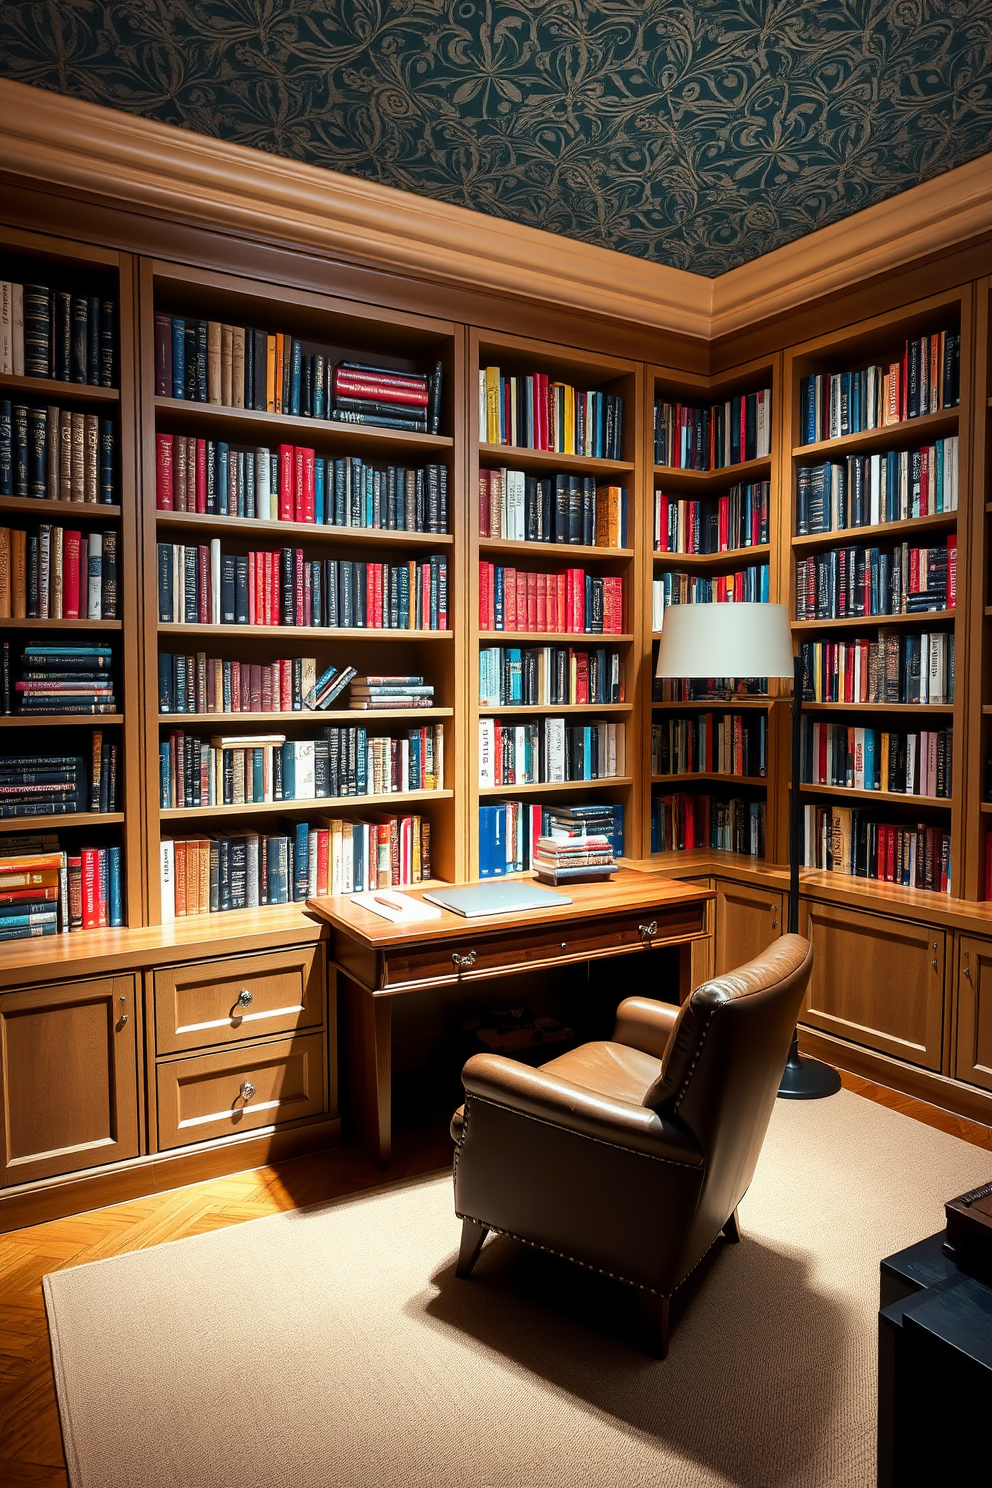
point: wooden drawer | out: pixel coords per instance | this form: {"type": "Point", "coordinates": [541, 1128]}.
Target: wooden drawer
{"type": "Point", "coordinates": [205, 1003]}
{"type": "Point", "coordinates": [491, 953]}
{"type": "Point", "coordinates": [216, 1095]}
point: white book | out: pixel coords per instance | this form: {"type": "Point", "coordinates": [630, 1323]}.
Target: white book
{"type": "Point", "coordinates": [554, 749]}
{"type": "Point", "coordinates": [263, 482]}
{"type": "Point", "coordinates": [305, 783]}
{"type": "Point", "coordinates": [347, 856]}
{"type": "Point", "coordinates": [214, 580]}
{"type": "Point", "coordinates": [483, 420]}
{"type": "Point", "coordinates": [762, 443]}
{"type": "Point", "coordinates": [875, 508]}
{"type": "Point", "coordinates": [937, 684]}
{"type": "Point", "coordinates": [487, 751]}
{"type": "Point", "coordinates": [859, 759]}
{"type": "Point", "coordinates": [167, 878]}
{"type": "Point", "coordinates": [251, 870]}
{"type": "Point", "coordinates": [909, 784]}
{"type": "Point", "coordinates": [517, 505]}
{"type": "Point", "coordinates": [904, 491]}
{"type": "Point", "coordinates": [6, 326]}
{"type": "Point", "coordinates": [178, 583]}
{"type": "Point", "coordinates": [952, 452]}
{"type": "Point", "coordinates": [17, 329]}
{"type": "Point", "coordinates": [335, 859]}
{"type": "Point", "coordinates": [873, 397]}
{"type": "Point", "coordinates": [520, 774]}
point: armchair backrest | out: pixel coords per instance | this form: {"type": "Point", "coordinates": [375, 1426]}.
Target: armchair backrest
{"type": "Point", "coordinates": [724, 1062]}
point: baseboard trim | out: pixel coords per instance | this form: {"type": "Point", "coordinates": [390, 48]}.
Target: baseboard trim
{"type": "Point", "coordinates": [924, 1085]}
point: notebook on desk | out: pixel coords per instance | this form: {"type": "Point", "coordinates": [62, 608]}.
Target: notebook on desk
{"type": "Point", "coordinates": [510, 897]}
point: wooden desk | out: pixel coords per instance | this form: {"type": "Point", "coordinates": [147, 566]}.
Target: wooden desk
{"type": "Point", "coordinates": [378, 960]}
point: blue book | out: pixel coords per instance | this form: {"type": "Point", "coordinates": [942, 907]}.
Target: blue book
{"type": "Point", "coordinates": [115, 895]}
{"type": "Point", "coordinates": [164, 776]}
{"type": "Point", "coordinates": [498, 598]}
{"type": "Point", "coordinates": [39, 917]}
{"type": "Point", "coordinates": [362, 760]}
{"type": "Point", "coordinates": [288, 771]}
{"type": "Point", "coordinates": [497, 841]}
{"type": "Point", "coordinates": [871, 760]}
{"type": "Point", "coordinates": [764, 583]}
{"type": "Point", "coordinates": [295, 376]}
{"type": "Point", "coordinates": [178, 358]}
{"type": "Point", "coordinates": [301, 852]}
{"type": "Point", "coordinates": [415, 779]}
{"type": "Point", "coordinates": [258, 775]}
{"type": "Point", "coordinates": [319, 490]}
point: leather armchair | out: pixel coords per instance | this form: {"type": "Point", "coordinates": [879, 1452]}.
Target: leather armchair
{"type": "Point", "coordinates": [630, 1155]}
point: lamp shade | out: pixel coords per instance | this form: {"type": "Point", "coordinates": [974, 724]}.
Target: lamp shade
{"type": "Point", "coordinates": [725, 640]}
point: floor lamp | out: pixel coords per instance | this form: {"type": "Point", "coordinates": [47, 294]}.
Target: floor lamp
{"type": "Point", "coordinates": [751, 640]}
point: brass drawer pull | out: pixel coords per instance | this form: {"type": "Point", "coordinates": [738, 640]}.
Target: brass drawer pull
{"type": "Point", "coordinates": [650, 929]}
{"type": "Point", "coordinates": [244, 997]}
{"type": "Point", "coordinates": [247, 1091]}
{"type": "Point", "coordinates": [467, 960]}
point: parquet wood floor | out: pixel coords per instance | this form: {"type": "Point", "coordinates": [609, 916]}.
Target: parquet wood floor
{"type": "Point", "coordinates": [30, 1443]}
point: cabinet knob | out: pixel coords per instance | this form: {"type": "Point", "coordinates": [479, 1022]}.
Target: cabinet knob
{"type": "Point", "coordinates": [123, 1017]}
{"type": "Point", "coordinates": [467, 960]}
{"type": "Point", "coordinates": [244, 997]}
{"type": "Point", "coordinates": [247, 1090]}
{"type": "Point", "coordinates": [967, 968]}
{"type": "Point", "coordinates": [649, 930]}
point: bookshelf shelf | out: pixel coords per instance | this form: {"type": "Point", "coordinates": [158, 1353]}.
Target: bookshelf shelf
{"type": "Point", "coordinates": [247, 423]}
{"type": "Point", "coordinates": [52, 390]}
{"type": "Point", "coordinates": [514, 456]}
{"type": "Point", "coordinates": [924, 618]}
{"type": "Point", "coordinates": [686, 777]}
{"type": "Point", "coordinates": [847, 536]}
{"type": "Point", "coordinates": [928, 426]}
{"type": "Point", "coordinates": [760, 552]}
{"type": "Point", "coordinates": [62, 822]}
{"type": "Point", "coordinates": [550, 638]}
{"type": "Point", "coordinates": [903, 708]}
{"type": "Point", "coordinates": [325, 804]}
{"type": "Point", "coordinates": [559, 550]}
{"type": "Point", "coordinates": [299, 632]}
{"type": "Point", "coordinates": [720, 705]}
{"type": "Point", "coordinates": [895, 797]}
{"type": "Point", "coordinates": [87, 511]}
{"type": "Point", "coordinates": [553, 708]}
{"type": "Point", "coordinates": [61, 720]}
{"type": "Point", "coordinates": [712, 480]}
{"type": "Point", "coordinates": [255, 721]}
{"type": "Point", "coordinates": [548, 787]}
{"type": "Point", "coordinates": [67, 624]}
{"type": "Point", "coordinates": [309, 531]}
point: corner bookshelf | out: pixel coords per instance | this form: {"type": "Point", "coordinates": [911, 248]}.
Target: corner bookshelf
{"type": "Point", "coordinates": [519, 357]}
{"type": "Point", "coordinates": [338, 329]}
{"type": "Point", "coordinates": [978, 822]}
{"type": "Point", "coordinates": [880, 340]}
{"type": "Point", "coordinates": [81, 269]}
{"type": "Point", "coordinates": [681, 486]}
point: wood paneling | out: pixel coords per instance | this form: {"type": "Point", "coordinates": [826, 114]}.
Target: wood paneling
{"type": "Point", "coordinates": [204, 1003]}
{"type": "Point", "coordinates": [69, 1068]}
{"type": "Point", "coordinates": [973, 1054]}
{"type": "Point", "coordinates": [237, 1089]}
{"type": "Point", "coordinates": [747, 921]}
{"type": "Point", "coordinates": [876, 981]}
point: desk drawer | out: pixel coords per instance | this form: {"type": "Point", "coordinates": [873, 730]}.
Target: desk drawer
{"type": "Point", "coordinates": [491, 953]}
{"type": "Point", "coordinates": [205, 1003]}
{"type": "Point", "coordinates": [215, 1095]}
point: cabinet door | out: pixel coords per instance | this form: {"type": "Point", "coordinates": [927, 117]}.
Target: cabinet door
{"type": "Point", "coordinates": [747, 921]}
{"type": "Point", "coordinates": [876, 981]}
{"type": "Point", "coordinates": [973, 1056]}
{"type": "Point", "coordinates": [68, 1058]}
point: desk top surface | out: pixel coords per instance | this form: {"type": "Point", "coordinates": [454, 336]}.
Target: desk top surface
{"type": "Point", "coordinates": [628, 889]}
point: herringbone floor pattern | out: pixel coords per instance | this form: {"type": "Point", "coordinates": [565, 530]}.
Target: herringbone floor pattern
{"type": "Point", "coordinates": [30, 1444]}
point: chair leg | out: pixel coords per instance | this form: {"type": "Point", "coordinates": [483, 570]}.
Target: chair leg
{"type": "Point", "coordinates": [473, 1235]}
{"type": "Point", "coordinates": [732, 1229]}
{"type": "Point", "coordinates": [655, 1312]}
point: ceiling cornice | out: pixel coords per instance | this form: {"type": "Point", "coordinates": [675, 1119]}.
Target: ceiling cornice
{"type": "Point", "coordinates": [163, 169]}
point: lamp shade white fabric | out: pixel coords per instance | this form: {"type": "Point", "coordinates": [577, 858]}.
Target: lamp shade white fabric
{"type": "Point", "coordinates": [725, 640]}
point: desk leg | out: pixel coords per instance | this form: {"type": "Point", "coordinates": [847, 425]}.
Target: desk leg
{"type": "Point", "coordinates": [685, 971]}
{"type": "Point", "coordinates": [368, 1039]}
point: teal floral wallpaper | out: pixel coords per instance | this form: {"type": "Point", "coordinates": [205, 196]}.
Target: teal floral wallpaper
{"type": "Point", "coordinates": [695, 134]}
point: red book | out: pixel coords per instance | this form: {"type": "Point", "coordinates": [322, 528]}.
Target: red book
{"type": "Point", "coordinates": [379, 391]}
{"type": "Point", "coordinates": [287, 471]}
{"type": "Point", "coordinates": [511, 620]}
{"type": "Point", "coordinates": [952, 573]}
{"type": "Point", "coordinates": [203, 584]}
{"type": "Point", "coordinates": [91, 887]}
{"type": "Point", "coordinates": [307, 594]}
{"type": "Point", "coordinates": [299, 500]}
{"type": "Point", "coordinates": [70, 573]}
{"type": "Point", "coordinates": [425, 595]}
{"type": "Point", "coordinates": [163, 471]}
{"type": "Point", "coordinates": [541, 620]}
{"type": "Point", "coordinates": [323, 859]}
{"type": "Point", "coordinates": [284, 701]}
{"type": "Point", "coordinates": [484, 516]}
{"type": "Point", "coordinates": [309, 508]}
{"type": "Point", "coordinates": [235, 687]}
{"type": "Point", "coordinates": [201, 476]}
{"type": "Point", "coordinates": [531, 592]}
{"type": "Point", "coordinates": [266, 609]}
{"type": "Point", "coordinates": [485, 596]}
{"type": "Point", "coordinates": [925, 507]}
{"type": "Point", "coordinates": [299, 589]}
{"type": "Point", "coordinates": [252, 588]}
{"type": "Point", "coordinates": [412, 380]}
{"type": "Point", "coordinates": [179, 472]}
{"type": "Point", "coordinates": [581, 675]}
{"type": "Point", "coordinates": [268, 706]}
{"type": "Point", "coordinates": [904, 385]}
{"type": "Point", "coordinates": [561, 598]}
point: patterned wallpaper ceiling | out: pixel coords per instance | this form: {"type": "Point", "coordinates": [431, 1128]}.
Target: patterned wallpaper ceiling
{"type": "Point", "coordinates": [698, 135]}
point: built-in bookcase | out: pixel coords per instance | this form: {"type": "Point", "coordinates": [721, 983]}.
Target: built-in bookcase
{"type": "Point", "coordinates": [710, 508]}
{"type": "Point", "coordinates": [80, 269]}
{"type": "Point", "coordinates": [394, 341]}
{"type": "Point", "coordinates": [978, 814]}
{"type": "Point", "coordinates": [930, 518]}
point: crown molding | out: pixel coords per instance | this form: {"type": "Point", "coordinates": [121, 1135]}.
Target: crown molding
{"type": "Point", "coordinates": [165, 170]}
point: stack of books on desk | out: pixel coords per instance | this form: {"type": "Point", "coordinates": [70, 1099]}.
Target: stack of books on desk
{"type": "Point", "coordinates": [370, 693]}
{"type": "Point", "coordinates": [561, 860]}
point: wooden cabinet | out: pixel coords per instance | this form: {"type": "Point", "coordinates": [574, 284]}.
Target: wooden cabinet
{"type": "Point", "coordinates": [973, 1051]}
{"type": "Point", "coordinates": [747, 921]}
{"type": "Point", "coordinates": [877, 981]}
{"type": "Point", "coordinates": [69, 1062]}
{"type": "Point", "coordinates": [203, 1003]}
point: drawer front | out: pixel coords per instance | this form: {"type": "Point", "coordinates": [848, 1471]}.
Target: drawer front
{"type": "Point", "coordinates": [216, 1095]}
{"type": "Point", "coordinates": [202, 1004]}
{"type": "Point", "coordinates": [489, 953]}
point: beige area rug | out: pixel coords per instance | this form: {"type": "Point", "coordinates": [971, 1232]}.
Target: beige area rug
{"type": "Point", "coordinates": [332, 1347]}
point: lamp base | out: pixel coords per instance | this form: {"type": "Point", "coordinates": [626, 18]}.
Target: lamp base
{"type": "Point", "coordinates": [806, 1079]}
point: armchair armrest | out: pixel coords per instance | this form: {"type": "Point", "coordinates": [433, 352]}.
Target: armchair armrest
{"type": "Point", "coordinates": [645, 1024]}
{"type": "Point", "coordinates": [547, 1097]}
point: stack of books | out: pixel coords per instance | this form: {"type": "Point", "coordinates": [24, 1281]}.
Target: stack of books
{"type": "Point", "coordinates": [42, 785]}
{"type": "Point", "coordinates": [364, 394]}
{"type": "Point", "coordinates": [370, 693]}
{"type": "Point", "coordinates": [30, 885]}
{"type": "Point", "coordinates": [66, 679]}
{"type": "Point", "coordinates": [560, 860]}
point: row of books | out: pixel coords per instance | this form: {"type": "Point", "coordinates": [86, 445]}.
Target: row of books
{"type": "Point", "coordinates": [892, 669]}
{"type": "Point", "coordinates": [207, 361]}
{"type": "Point", "coordinates": [58, 573]}
{"type": "Point", "coordinates": [242, 868]}
{"type": "Point", "coordinates": [568, 602]}
{"type": "Point", "coordinates": [745, 585]}
{"type": "Point", "coordinates": [706, 689]}
{"type": "Point", "coordinates": [866, 489]}
{"type": "Point", "coordinates": [548, 751]}
{"type": "Point", "coordinates": [544, 676]}
{"type": "Point", "coordinates": [869, 759]}
{"type": "Point", "coordinates": [683, 821]}
{"type": "Point", "coordinates": [207, 684]}
{"type": "Point", "coordinates": [722, 743]}
{"type": "Point", "coordinates": [737, 520]}
{"type": "Point", "coordinates": [509, 831]}
{"type": "Point", "coordinates": [46, 890]}
{"type": "Point", "coordinates": [59, 679]}
{"type": "Point", "coordinates": [925, 379]}
{"type": "Point", "coordinates": [846, 839]}
{"type": "Point", "coordinates": [202, 586]}
{"type": "Point", "coordinates": [903, 580]}
{"type": "Point", "coordinates": [239, 770]}
{"type": "Point", "coordinates": [563, 508]}
{"type": "Point", "coordinates": [536, 412]}
{"type": "Point", "coordinates": [54, 454]}
{"type": "Point", "coordinates": [56, 334]}
{"type": "Point", "coordinates": [710, 438]}
{"type": "Point", "coordinates": [292, 483]}
{"type": "Point", "coordinates": [60, 784]}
